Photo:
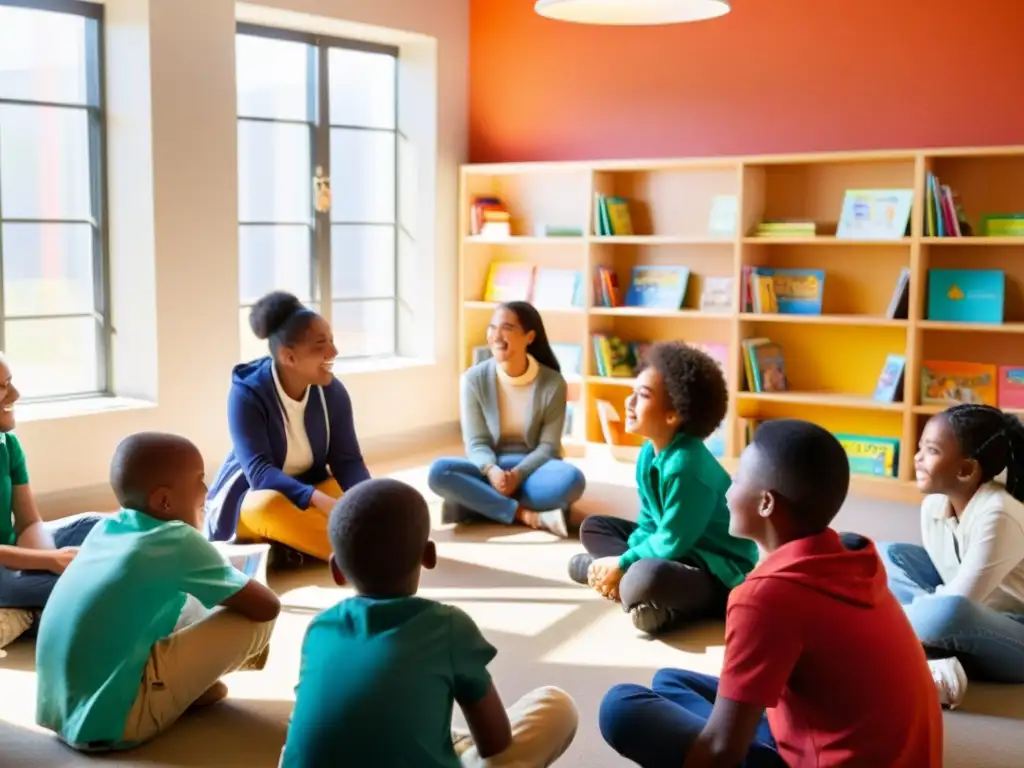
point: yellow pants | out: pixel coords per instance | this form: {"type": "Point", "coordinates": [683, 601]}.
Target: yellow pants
{"type": "Point", "coordinates": [269, 516]}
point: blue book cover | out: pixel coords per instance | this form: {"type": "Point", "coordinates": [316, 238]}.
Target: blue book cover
{"type": "Point", "coordinates": [966, 295]}
{"type": "Point", "coordinates": [657, 287]}
{"type": "Point", "coordinates": [797, 291]}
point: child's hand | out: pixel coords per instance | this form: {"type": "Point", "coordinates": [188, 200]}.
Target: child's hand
{"type": "Point", "coordinates": [604, 576]}
{"type": "Point", "coordinates": [512, 481]}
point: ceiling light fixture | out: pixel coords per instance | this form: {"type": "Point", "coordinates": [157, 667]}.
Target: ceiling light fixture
{"type": "Point", "coordinates": [632, 12]}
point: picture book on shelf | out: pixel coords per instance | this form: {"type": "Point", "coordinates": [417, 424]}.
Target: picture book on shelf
{"type": "Point", "coordinates": [899, 304]}
{"type": "Point", "coordinates": [489, 219]}
{"type": "Point", "coordinates": [1011, 386]}
{"type": "Point", "coordinates": [876, 456]}
{"type": "Point", "coordinates": [889, 388]}
{"type": "Point", "coordinates": [717, 294]}
{"type": "Point", "coordinates": [787, 291]}
{"type": "Point", "coordinates": [786, 228]}
{"type": "Point", "coordinates": [606, 288]}
{"type": "Point", "coordinates": [966, 295]}
{"type": "Point", "coordinates": [613, 217]}
{"type": "Point", "coordinates": [944, 216]}
{"type": "Point", "coordinates": [724, 214]}
{"type": "Point", "coordinates": [764, 365]}
{"type": "Point", "coordinates": [509, 281]}
{"type": "Point", "coordinates": [657, 287]}
{"type": "Point", "coordinates": [875, 214]}
{"type": "Point", "coordinates": [616, 358]}
{"type": "Point", "coordinates": [557, 288]}
{"type": "Point", "coordinates": [948, 382]}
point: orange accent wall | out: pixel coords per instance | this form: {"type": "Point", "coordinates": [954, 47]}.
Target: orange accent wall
{"type": "Point", "coordinates": [772, 76]}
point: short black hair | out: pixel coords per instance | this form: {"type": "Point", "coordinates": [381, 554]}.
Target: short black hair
{"type": "Point", "coordinates": [806, 466]}
{"type": "Point", "coordinates": [379, 530]}
{"type": "Point", "coordinates": [280, 318]}
{"type": "Point", "coordinates": [992, 438]}
{"type": "Point", "coordinates": [145, 461]}
{"type": "Point", "coordinates": [695, 385]}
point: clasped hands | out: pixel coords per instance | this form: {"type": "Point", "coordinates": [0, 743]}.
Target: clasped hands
{"type": "Point", "coordinates": [604, 576]}
{"type": "Point", "coordinates": [504, 482]}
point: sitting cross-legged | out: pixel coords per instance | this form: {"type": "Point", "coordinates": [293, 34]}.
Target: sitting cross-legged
{"type": "Point", "coordinates": [115, 665]}
{"type": "Point", "coordinates": [293, 440]}
{"type": "Point", "coordinates": [678, 562]}
{"type": "Point", "coordinates": [964, 589]}
{"type": "Point", "coordinates": [821, 666]}
{"type": "Point", "coordinates": [513, 415]}
{"type": "Point", "coordinates": [33, 553]}
{"type": "Point", "coordinates": [382, 670]}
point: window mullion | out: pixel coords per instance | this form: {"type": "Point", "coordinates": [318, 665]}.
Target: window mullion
{"type": "Point", "coordinates": [97, 202]}
{"type": "Point", "coordinates": [398, 173]}
{"type": "Point", "coordinates": [322, 158]}
{"type": "Point", "coordinates": [3, 313]}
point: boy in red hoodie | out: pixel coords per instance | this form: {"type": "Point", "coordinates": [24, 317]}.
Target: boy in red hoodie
{"type": "Point", "coordinates": [813, 636]}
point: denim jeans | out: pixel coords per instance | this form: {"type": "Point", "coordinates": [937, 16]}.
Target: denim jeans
{"type": "Point", "coordinates": [554, 485]}
{"type": "Point", "coordinates": [989, 644]}
{"type": "Point", "coordinates": [31, 589]}
{"type": "Point", "coordinates": [656, 727]}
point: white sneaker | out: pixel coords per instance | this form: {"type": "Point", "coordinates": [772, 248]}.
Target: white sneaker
{"type": "Point", "coordinates": [554, 522]}
{"type": "Point", "coordinates": [13, 623]}
{"type": "Point", "coordinates": [950, 679]}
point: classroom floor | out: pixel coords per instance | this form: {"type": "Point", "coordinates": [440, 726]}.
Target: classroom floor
{"type": "Point", "coordinates": [548, 631]}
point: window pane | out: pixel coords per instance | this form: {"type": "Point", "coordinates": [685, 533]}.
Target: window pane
{"type": "Point", "coordinates": [362, 261]}
{"type": "Point", "coordinates": [273, 78]}
{"type": "Point", "coordinates": [363, 176]}
{"type": "Point", "coordinates": [44, 163]}
{"type": "Point", "coordinates": [363, 90]}
{"type": "Point", "coordinates": [272, 259]}
{"type": "Point", "coordinates": [48, 269]}
{"type": "Point", "coordinates": [274, 181]}
{"type": "Point", "coordinates": [53, 357]}
{"type": "Point", "coordinates": [42, 56]}
{"type": "Point", "coordinates": [364, 328]}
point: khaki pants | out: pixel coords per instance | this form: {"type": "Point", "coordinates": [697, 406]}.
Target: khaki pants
{"type": "Point", "coordinates": [543, 726]}
{"type": "Point", "coordinates": [184, 665]}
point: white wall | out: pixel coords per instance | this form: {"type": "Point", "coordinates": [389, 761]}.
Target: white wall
{"type": "Point", "coordinates": [174, 244]}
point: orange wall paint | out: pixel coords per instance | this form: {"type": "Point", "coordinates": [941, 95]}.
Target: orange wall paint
{"type": "Point", "coordinates": [772, 76]}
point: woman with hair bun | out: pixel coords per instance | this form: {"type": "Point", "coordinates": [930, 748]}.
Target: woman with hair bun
{"type": "Point", "coordinates": [294, 447]}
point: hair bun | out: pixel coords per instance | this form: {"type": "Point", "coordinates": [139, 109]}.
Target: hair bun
{"type": "Point", "coordinates": [271, 312]}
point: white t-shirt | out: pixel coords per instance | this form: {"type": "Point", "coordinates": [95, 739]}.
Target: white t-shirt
{"type": "Point", "coordinates": [981, 555]}
{"type": "Point", "coordinates": [299, 455]}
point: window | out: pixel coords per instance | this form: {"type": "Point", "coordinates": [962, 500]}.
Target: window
{"type": "Point", "coordinates": [313, 108]}
{"type": "Point", "coordinates": [53, 297]}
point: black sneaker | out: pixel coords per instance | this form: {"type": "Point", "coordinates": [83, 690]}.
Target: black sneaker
{"type": "Point", "coordinates": [579, 566]}
{"type": "Point", "coordinates": [284, 558]}
{"type": "Point", "coordinates": [651, 618]}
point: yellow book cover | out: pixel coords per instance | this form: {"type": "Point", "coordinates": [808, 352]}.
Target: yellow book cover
{"type": "Point", "coordinates": [509, 281]}
{"type": "Point", "coordinates": [948, 382]}
{"type": "Point", "coordinates": [766, 300]}
{"type": "Point", "coordinates": [618, 214]}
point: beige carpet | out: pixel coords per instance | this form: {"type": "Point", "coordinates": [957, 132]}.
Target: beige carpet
{"type": "Point", "coordinates": [548, 631]}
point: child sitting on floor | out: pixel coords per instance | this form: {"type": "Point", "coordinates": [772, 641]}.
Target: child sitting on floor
{"type": "Point", "coordinates": [964, 589]}
{"type": "Point", "coordinates": [381, 670]}
{"type": "Point", "coordinates": [814, 635]}
{"type": "Point", "coordinates": [112, 670]}
{"type": "Point", "coordinates": [678, 562]}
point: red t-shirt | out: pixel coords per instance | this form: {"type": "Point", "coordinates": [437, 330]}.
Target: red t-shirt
{"type": "Point", "coordinates": [815, 636]}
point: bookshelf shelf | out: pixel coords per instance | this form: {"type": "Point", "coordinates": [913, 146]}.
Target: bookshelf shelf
{"type": "Point", "coordinates": [830, 356]}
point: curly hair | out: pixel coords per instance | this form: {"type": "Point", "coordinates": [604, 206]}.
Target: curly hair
{"type": "Point", "coordinates": [694, 383]}
{"type": "Point", "coordinates": [992, 438]}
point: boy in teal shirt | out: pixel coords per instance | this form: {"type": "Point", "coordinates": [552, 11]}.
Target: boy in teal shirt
{"type": "Point", "coordinates": [381, 671]}
{"type": "Point", "coordinates": [678, 562]}
{"type": "Point", "coordinates": [112, 671]}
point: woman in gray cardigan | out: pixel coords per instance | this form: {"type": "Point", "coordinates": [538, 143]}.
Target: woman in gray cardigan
{"type": "Point", "coordinates": [513, 414]}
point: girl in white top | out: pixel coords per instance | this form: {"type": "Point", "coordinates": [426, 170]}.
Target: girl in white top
{"type": "Point", "coordinates": [963, 591]}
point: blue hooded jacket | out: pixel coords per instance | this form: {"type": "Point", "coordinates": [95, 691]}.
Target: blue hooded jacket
{"type": "Point", "coordinates": [259, 440]}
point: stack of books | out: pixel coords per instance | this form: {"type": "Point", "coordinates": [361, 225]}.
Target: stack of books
{"type": "Point", "coordinates": [786, 228]}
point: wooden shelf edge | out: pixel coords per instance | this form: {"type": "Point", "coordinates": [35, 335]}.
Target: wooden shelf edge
{"type": "Point", "coordinates": [862, 320]}
{"type": "Point", "coordinates": [961, 327]}
{"type": "Point", "coordinates": [979, 240]}
{"type": "Point", "coordinates": [822, 400]}
{"type": "Point", "coordinates": [826, 240]}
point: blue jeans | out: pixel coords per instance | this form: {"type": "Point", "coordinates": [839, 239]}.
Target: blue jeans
{"type": "Point", "coordinates": [31, 589]}
{"type": "Point", "coordinates": [554, 485]}
{"type": "Point", "coordinates": [989, 644]}
{"type": "Point", "coordinates": [656, 727]}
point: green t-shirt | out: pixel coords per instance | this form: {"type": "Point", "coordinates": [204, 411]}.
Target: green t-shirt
{"type": "Point", "coordinates": [12, 472]}
{"type": "Point", "coordinates": [683, 512]}
{"type": "Point", "coordinates": [120, 595]}
{"type": "Point", "coordinates": [378, 682]}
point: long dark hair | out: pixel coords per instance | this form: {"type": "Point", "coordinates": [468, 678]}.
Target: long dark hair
{"type": "Point", "coordinates": [529, 319]}
{"type": "Point", "coordinates": [993, 439]}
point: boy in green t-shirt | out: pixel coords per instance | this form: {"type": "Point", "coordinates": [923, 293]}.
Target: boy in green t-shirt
{"type": "Point", "coordinates": [678, 562]}
{"type": "Point", "coordinates": [113, 670]}
{"type": "Point", "coordinates": [32, 553]}
{"type": "Point", "coordinates": [381, 671]}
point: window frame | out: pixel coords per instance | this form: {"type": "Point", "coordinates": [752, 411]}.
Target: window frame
{"type": "Point", "coordinates": [318, 120]}
{"type": "Point", "coordinates": [95, 110]}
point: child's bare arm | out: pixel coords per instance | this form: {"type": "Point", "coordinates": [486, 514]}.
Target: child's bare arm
{"type": "Point", "coordinates": [488, 723]}
{"type": "Point", "coordinates": [254, 601]}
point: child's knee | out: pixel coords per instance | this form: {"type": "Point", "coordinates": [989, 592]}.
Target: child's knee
{"type": "Point", "coordinates": [559, 709]}
{"type": "Point", "coordinates": [617, 714]}
{"type": "Point", "coordinates": [640, 580]}
{"type": "Point", "coordinates": [936, 617]}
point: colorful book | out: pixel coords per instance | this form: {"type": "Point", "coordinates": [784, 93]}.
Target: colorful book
{"type": "Point", "coordinates": [875, 214]}
{"type": "Point", "coordinates": [1011, 386]}
{"type": "Point", "coordinates": [509, 281]}
{"type": "Point", "coordinates": [795, 291]}
{"type": "Point", "coordinates": [948, 382]}
{"type": "Point", "coordinates": [966, 295]}
{"type": "Point", "coordinates": [876, 456]}
{"type": "Point", "coordinates": [889, 388]}
{"type": "Point", "coordinates": [717, 294]}
{"type": "Point", "coordinates": [657, 287]}
{"type": "Point", "coordinates": [765, 366]}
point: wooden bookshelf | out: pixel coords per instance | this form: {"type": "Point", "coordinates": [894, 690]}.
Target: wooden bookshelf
{"type": "Point", "coordinates": [833, 360]}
